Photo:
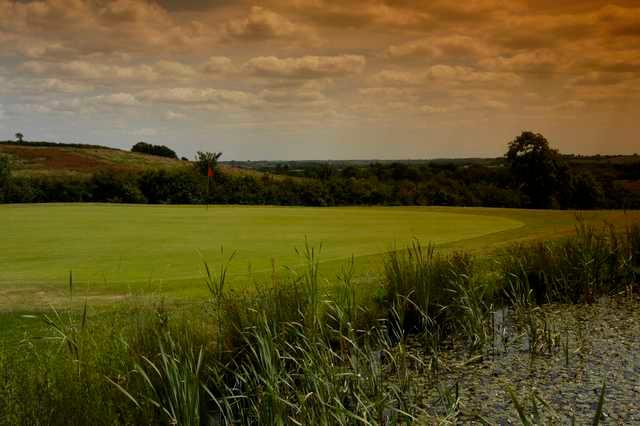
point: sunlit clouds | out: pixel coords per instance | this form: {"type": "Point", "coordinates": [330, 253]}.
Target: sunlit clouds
{"type": "Point", "coordinates": [320, 78]}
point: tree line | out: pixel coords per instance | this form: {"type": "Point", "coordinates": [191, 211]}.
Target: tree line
{"type": "Point", "coordinates": [533, 175]}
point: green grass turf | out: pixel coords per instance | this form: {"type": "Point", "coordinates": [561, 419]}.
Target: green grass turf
{"type": "Point", "coordinates": [118, 249]}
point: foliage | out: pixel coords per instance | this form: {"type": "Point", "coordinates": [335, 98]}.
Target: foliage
{"type": "Point", "coordinates": [430, 292]}
{"type": "Point", "coordinates": [577, 269]}
{"type": "Point", "coordinates": [586, 192]}
{"type": "Point", "coordinates": [159, 150]}
{"type": "Point", "coordinates": [180, 186]}
{"type": "Point", "coordinates": [116, 187]}
{"type": "Point", "coordinates": [5, 174]}
{"type": "Point", "coordinates": [206, 160]}
{"type": "Point", "coordinates": [537, 177]}
{"type": "Point", "coordinates": [539, 170]}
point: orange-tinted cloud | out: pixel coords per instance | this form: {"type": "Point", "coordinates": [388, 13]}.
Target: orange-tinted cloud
{"type": "Point", "coordinates": [341, 63]}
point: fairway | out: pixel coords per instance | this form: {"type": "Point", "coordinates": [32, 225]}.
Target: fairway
{"type": "Point", "coordinates": [117, 249]}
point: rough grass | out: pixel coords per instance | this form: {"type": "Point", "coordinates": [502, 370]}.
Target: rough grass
{"type": "Point", "coordinates": [47, 160]}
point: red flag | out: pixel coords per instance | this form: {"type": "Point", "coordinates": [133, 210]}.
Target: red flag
{"type": "Point", "coordinates": [210, 172]}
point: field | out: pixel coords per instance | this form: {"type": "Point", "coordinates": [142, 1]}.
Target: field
{"type": "Point", "coordinates": [115, 250]}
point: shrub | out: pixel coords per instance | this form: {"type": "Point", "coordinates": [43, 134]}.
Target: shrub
{"type": "Point", "coordinates": [178, 186]}
{"type": "Point", "coordinates": [5, 174]}
{"type": "Point", "coordinates": [44, 189]}
{"type": "Point", "coordinates": [116, 187]}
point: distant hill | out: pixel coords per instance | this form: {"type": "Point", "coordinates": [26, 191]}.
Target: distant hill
{"type": "Point", "coordinates": [48, 158]}
{"type": "Point", "coordinates": [34, 158]}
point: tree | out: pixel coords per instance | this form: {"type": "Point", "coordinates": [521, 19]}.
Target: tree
{"type": "Point", "coordinates": [539, 170]}
{"type": "Point", "coordinates": [204, 160]}
{"type": "Point", "coordinates": [586, 191]}
{"type": "Point", "coordinates": [158, 150]}
{"type": "Point", "coordinates": [19, 136]}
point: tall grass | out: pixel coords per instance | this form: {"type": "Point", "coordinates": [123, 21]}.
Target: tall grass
{"type": "Point", "coordinates": [437, 294]}
{"type": "Point", "coordinates": [577, 269]}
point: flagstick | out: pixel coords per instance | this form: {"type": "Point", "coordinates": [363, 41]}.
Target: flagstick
{"type": "Point", "coordinates": [209, 177]}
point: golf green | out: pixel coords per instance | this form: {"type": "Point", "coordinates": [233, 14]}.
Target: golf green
{"type": "Point", "coordinates": [115, 249]}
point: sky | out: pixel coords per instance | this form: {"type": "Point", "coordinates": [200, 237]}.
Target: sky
{"type": "Point", "coordinates": [323, 79]}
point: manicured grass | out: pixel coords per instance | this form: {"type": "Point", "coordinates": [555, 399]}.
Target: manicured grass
{"type": "Point", "coordinates": [116, 249]}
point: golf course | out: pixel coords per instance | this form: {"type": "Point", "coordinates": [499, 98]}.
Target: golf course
{"type": "Point", "coordinates": [113, 250]}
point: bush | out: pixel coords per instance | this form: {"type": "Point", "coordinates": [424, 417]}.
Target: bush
{"type": "Point", "coordinates": [45, 189]}
{"type": "Point", "coordinates": [586, 192]}
{"type": "Point", "coordinates": [116, 188]}
{"type": "Point", "coordinates": [5, 174]}
{"type": "Point", "coordinates": [176, 186]}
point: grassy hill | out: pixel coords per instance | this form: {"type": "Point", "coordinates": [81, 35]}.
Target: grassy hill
{"type": "Point", "coordinates": [47, 158]}
{"type": "Point", "coordinates": [33, 159]}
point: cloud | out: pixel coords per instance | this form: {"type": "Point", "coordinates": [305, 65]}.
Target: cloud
{"type": "Point", "coordinates": [21, 85]}
{"type": "Point", "coordinates": [77, 105]}
{"type": "Point", "coordinates": [117, 99]}
{"type": "Point", "coordinates": [357, 14]}
{"type": "Point", "coordinates": [386, 92]}
{"type": "Point", "coordinates": [535, 61]}
{"type": "Point", "coordinates": [599, 78]}
{"type": "Point", "coordinates": [454, 47]}
{"type": "Point", "coordinates": [91, 71]}
{"type": "Point", "coordinates": [56, 27]}
{"type": "Point", "coordinates": [218, 65]}
{"type": "Point", "coordinates": [28, 108]}
{"type": "Point", "coordinates": [284, 62]}
{"type": "Point", "coordinates": [620, 21]}
{"type": "Point", "coordinates": [627, 60]}
{"type": "Point", "coordinates": [69, 106]}
{"type": "Point", "coordinates": [193, 96]}
{"type": "Point", "coordinates": [439, 74]}
{"type": "Point", "coordinates": [146, 131]}
{"type": "Point", "coordinates": [176, 70]}
{"type": "Point", "coordinates": [293, 98]}
{"type": "Point", "coordinates": [306, 67]}
{"type": "Point", "coordinates": [564, 106]}
{"type": "Point", "coordinates": [263, 24]}
{"type": "Point", "coordinates": [172, 115]}
{"type": "Point", "coordinates": [430, 109]}
{"type": "Point", "coordinates": [40, 50]}
{"type": "Point", "coordinates": [394, 77]}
